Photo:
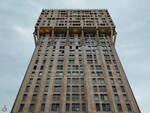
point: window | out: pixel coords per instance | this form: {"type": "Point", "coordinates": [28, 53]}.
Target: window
{"type": "Point", "coordinates": [75, 80]}
{"type": "Point", "coordinates": [24, 97]}
{"type": "Point", "coordinates": [60, 67]}
{"type": "Point", "coordinates": [42, 107]}
{"type": "Point", "coordinates": [50, 67]}
{"type": "Point", "coordinates": [56, 97]}
{"type": "Point", "coordinates": [99, 73]}
{"type": "Point", "coordinates": [67, 107]}
{"type": "Point", "coordinates": [110, 73]}
{"type": "Point", "coordinates": [44, 97]}
{"type": "Point", "coordinates": [83, 107]}
{"type": "Point", "coordinates": [75, 88]}
{"type": "Point", "coordinates": [94, 80]}
{"type": "Point", "coordinates": [97, 107]}
{"type": "Point", "coordinates": [57, 88]}
{"type": "Point", "coordinates": [59, 73]}
{"type": "Point", "coordinates": [102, 88]}
{"type": "Point", "coordinates": [95, 88]}
{"type": "Point", "coordinates": [38, 81]}
{"type": "Point", "coordinates": [82, 80]}
{"type": "Point", "coordinates": [106, 107]}
{"type": "Point", "coordinates": [35, 67]}
{"type": "Point", "coordinates": [21, 107]}
{"type": "Point", "coordinates": [75, 73]}
{"type": "Point", "coordinates": [68, 88]}
{"type": "Point", "coordinates": [118, 74]}
{"type": "Point", "coordinates": [82, 88]}
{"type": "Point", "coordinates": [75, 107]}
{"type": "Point", "coordinates": [30, 80]}
{"type": "Point", "coordinates": [108, 67]}
{"type": "Point", "coordinates": [31, 108]}
{"type": "Point", "coordinates": [36, 62]}
{"type": "Point", "coordinates": [71, 61]}
{"type": "Point", "coordinates": [58, 80]}
{"type": "Point", "coordinates": [47, 81]}
{"type": "Point", "coordinates": [80, 61]}
{"type": "Point", "coordinates": [61, 51]}
{"type": "Point", "coordinates": [89, 61]}
{"type": "Point", "coordinates": [119, 107]}
{"type": "Point", "coordinates": [32, 74]}
{"type": "Point", "coordinates": [75, 97]}
{"type": "Point", "coordinates": [62, 47]}
{"type": "Point", "coordinates": [129, 107]}
{"type": "Point", "coordinates": [27, 89]}
{"type": "Point", "coordinates": [67, 97]}
{"type": "Point", "coordinates": [108, 61]}
{"type": "Point", "coordinates": [60, 61]}
{"type": "Point", "coordinates": [49, 74]}
{"type": "Point", "coordinates": [101, 80]}
{"type": "Point", "coordinates": [83, 97]}
{"type": "Point", "coordinates": [93, 73]}
{"type": "Point", "coordinates": [116, 67]}
{"type": "Point", "coordinates": [104, 97]}
{"type": "Point", "coordinates": [36, 89]}
{"type": "Point", "coordinates": [68, 81]}
{"type": "Point", "coordinates": [116, 97]}
{"type": "Point", "coordinates": [114, 61]}
{"type": "Point", "coordinates": [114, 89]}
{"type": "Point", "coordinates": [42, 67]}
{"type": "Point", "coordinates": [122, 88]}
{"type": "Point", "coordinates": [34, 97]}
{"type": "Point", "coordinates": [98, 67]}
{"type": "Point", "coordinates": [81, 73]}
{"type": "Point", "coordinates": [40, 73]}
{"type": "Point", "coordinates": [96, 97]}
{"type": "Point", "coordinates": [44, 61]}
{"type": "Point", "coordinates": [46, 89]}
{"type": "Point", "coordinates": [77, 47]}
{"type": "Point", "coordinates": [55, 107]}
{"type": "Point", "coordinates": [119, 81]}
{"type": "Point", "coordinates": [125, 97]}
{"type": "Point", "coordinates": [92, 67]}
{"type": "Point", "coordinates": [75, 67]}
{"type": "Point", "coordinates": [112, 80]}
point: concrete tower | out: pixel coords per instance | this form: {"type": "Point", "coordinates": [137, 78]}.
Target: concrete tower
{"type": "Point", "coordinates": [75, 67]}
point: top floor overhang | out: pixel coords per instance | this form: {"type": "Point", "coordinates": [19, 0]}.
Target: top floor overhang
{"type": "Point", "coordinates": [74, 30]}
{"type": "Point", "coordinates": [110, 31]}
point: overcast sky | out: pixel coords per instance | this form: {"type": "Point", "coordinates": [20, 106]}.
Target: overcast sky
{"type": "Point", "coordinates": [17, 20]}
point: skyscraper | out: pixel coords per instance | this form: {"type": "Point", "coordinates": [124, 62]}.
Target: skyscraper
{"type": "Point", "coordinates": [75, 67]}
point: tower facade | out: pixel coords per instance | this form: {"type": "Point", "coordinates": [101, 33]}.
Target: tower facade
{"type": "Point", "coordinates": [75, 67]}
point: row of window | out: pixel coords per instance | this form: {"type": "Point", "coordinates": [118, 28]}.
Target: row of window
{"type": "Point", "coordinates": [57, 88]}
{"type": "Point", "coordinates": [103, 88]}
{"type": "Point", "coordinates": [91, 45]}
{"type": "Point", "coordinates": [101, 81]}
{"type": "Point", "coordinates": [76, 97]}
{"type": "Point", "coordinates": [105, 97]}
{"type": "Point", "coordinates": [117, 73]}
{"type": "Point", "coordinates": [75, 80]}
{"type": "Point", "coordinates": [59, 80]}
{"type": "Point", "coordinates": [56, 97]}
{"type": "Point", "coordinates": [61, 67]}
{"type": "Point", "coordinates": [106, 107]}
{"type": "Point", "coordinates": [60, 73]}
{"type": "Point", "coordinates": [76, 107]}
{"type": "Point", "coordinates": [98, 80]}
